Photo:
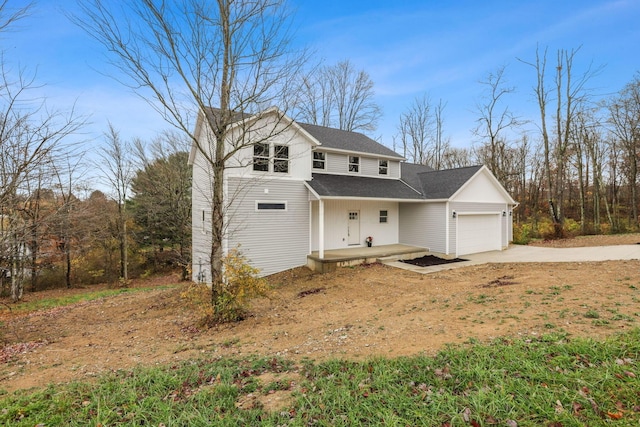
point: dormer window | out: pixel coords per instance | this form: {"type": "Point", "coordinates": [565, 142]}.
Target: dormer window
{"type": "Point", "coordinates": [383, 167]}
{"type": "Point", "coordinates": [354, 164]}
{"type": "Point", "coordinates": [319, 160]}
{"type": "Point", "coordinates": [261, 157]}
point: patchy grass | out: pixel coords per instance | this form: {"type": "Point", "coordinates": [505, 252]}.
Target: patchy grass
{"type": "Point", "coordinates": [60, 301]}
{"type": "Point", "coordinates": [549, 380]}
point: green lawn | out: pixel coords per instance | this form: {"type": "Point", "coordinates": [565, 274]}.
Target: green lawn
{"type": "Point", "coordinates": [549, 381]}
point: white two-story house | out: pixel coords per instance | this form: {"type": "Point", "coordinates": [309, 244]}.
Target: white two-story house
{"type": "Point", "coordinates": [302, 188]}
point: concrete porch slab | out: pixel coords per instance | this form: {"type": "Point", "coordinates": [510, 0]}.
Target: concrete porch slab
{"type": "Point", "coordinates": [361, 255]}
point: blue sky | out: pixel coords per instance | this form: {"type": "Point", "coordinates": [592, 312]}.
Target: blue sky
{"type": "Point", "coordinates": [441, 48]}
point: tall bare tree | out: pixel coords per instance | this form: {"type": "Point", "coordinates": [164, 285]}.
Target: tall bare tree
{"type": "Point", "coordinates": [420, 132]}
{"type": "Point", "coordinates": [571, 92]}
{"type": "Point", "coordinates": [339, 96]}
{"type": "Point", "coordinates": [624, 120]}
{"type": "Point", "coordinates": [495, 118]}
{"type": "Point", "coordinates": [118, 171]}
{"type": "Point", "coordinates": [185, 57]}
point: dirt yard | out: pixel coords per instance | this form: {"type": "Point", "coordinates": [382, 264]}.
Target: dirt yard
{"type": "Point", "coordinates": [352, 313]}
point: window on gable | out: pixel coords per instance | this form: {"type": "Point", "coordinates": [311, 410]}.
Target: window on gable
{"type": "Point", "coordinates": [261, 157]}
{"type": "Point", "coordinates": [383, 167]}
{"type": "Point", "coordinates": [354, 164]}
{"type": "Point", "coordinates": [384, 216]}
{"type": "Point", "coordinates": [319, 160]}
{"type": "Point", "coordinates": [281, 159]}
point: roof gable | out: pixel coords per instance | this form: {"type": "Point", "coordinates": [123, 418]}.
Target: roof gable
{"type": "Point", "coordinates": [483, 187]}
{"type": "Point", "coordinates": [348, 141]}
{"type": "Point", "coordinates": [245, 119]}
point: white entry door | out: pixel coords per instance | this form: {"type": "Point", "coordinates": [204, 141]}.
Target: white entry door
{"type": "Point", "coordinates": [354, 228]}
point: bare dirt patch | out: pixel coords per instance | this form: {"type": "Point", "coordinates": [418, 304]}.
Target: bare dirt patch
{"type": "Point", "coordinates": [352, 313]}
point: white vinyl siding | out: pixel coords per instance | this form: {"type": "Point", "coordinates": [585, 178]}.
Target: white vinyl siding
{"type": "Point", "coordinates": [272, 240]}
{"type": "Point", "coordinates": [201, 238]}
{"type": "Point", "coordinates": [337, 163]}
{"type": "Point", "coordinates": [336, 216]}
{"type": "Point", "coordinates": [423, 225]}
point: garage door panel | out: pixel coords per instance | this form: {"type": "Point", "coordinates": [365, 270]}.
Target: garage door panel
{"type": "Point", "coordinates": [478, 233]}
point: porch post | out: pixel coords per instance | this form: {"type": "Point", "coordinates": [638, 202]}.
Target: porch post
{"type": "Point", "coordinates": [321, 229]}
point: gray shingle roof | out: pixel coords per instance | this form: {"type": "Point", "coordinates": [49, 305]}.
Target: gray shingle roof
{"type": "Point", "coordinates": [443, 184]}
{"type": "Point", "coordinates": [326, 185]}
{"type": "Point", "coordinates": [345, 140]}
{"type": "Point", "coordinates": [409, 174]}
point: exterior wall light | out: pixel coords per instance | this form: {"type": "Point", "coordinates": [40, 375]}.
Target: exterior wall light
{"type": "Point", "coordinates": [454, 214]}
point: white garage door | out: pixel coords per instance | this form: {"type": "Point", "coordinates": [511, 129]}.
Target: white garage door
{"type": "Point", "coordinates": [478, 233]}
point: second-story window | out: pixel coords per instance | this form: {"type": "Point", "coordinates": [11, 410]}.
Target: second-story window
{"type": "Point", "coordinates": [319, 159]}
{"type": "Point", "coordinates": [354, 164]}
{"type": "Point", "coordinates": [383, 167]}
{"type": "Point", "coordinates": [261, 157]}
{"type": "Point", "coordinates": [281, 159]}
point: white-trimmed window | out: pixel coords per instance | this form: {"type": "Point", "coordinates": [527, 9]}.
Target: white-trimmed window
{"type": "Point", "coordinates": [281, 158]}
{"type": "Point", "coordinates": [384, 217]}
{"type": "Point", "coordinates": [261, 157]}
{"type": "Point", "coordinates": [319, 160]}
{"type": "Point", "coordinates": [354, 164]}
{"type": "Point", "coordinates": [270, 206]}
{"type": "Point", "coordinates": [383, 167]}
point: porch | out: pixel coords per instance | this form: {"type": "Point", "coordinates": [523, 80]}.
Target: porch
{"type": "Point", "coordinates": [361, 255]}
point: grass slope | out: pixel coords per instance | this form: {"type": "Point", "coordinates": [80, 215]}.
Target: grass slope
{"type": "Point", "coordinates": [549, 381]}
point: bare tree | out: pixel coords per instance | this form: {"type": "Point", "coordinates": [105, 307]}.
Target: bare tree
{"type": "Point", "coordinates": [68, 181]}
{"type": "Point", "coordinates": [571, 92]}
{"type": "Point", "coordinates": [624, 120]}
{"type": "Point", "coordinates": [420, 132]}
{"type": "Point", "coordinates": [186, 57]}
{"type": "Point", "coordinates": [118, 171]}
{"type": "Point", "coordinates": [494, 120]}
{"type": "Point", "coordinates": [339, 96]}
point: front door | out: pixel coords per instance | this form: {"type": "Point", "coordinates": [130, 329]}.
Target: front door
{"type": "Point", "coordinates": [354, 228]}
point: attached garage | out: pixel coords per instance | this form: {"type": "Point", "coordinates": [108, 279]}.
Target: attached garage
{"type": "Point", "coordinates": [480, 232]}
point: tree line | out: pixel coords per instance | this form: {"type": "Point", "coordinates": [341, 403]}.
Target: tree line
{"type": "Point", "coordinates": [577, 173]}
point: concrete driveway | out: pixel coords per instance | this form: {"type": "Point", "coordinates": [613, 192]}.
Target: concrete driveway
{"type": "Point", "coordinates": [519, 253]}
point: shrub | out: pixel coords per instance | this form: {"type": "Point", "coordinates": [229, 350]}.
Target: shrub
{"type": "Point", "coordinates": [522, 233]}
{"type": "Point", "coordinates": [546, 229]}
{"type": "Point", "coordinates": [571, 227]}
{"type": "Point", "coordinates": [241, 283]}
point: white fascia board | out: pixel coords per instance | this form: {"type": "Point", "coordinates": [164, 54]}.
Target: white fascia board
{"type": "Point", "coordinates": [371, 199]}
